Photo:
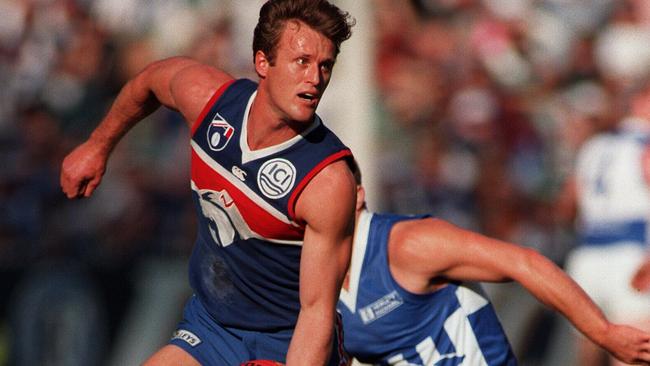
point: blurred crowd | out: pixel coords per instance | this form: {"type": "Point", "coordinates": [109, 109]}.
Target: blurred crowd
{"type": "Point", "coordinates": [68, 268]}
{"type": "Point", "coordinates": [482, 106]}
{"type": "Point", "coordinates": [489, 101]}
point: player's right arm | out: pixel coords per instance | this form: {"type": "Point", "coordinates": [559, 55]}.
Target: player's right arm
{"type": "Point", "coordinates": [430, 249]}
{"type": "Point", "coordinates": [179, 83]}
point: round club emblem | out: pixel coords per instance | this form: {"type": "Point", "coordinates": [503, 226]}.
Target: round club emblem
{"type": "Point", "coordinates": [276, 178]}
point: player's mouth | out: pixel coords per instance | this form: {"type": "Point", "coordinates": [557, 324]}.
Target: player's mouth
{"type": "Point", "coordinates": [310, 98]}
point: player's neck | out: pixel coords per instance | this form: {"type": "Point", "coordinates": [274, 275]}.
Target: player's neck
{"type": "Point", "coordinates": [265, 128]}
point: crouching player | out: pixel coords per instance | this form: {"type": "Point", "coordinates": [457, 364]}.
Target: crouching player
{"type": "Point", "coordinates": [404, 301]}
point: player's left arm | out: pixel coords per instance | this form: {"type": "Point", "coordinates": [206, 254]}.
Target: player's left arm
{"type": "Point", "coordinates": [455, 254]}
{"type": "Point", "coordinates": [327, 206]}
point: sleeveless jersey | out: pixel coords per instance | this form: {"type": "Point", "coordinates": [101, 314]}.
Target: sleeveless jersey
{"type": "Point", "coordinates": [613, 193]}
{"type": "Point", "coordinates": [244, 267]}
{"type": "Point", "coordinates": [384, 324]}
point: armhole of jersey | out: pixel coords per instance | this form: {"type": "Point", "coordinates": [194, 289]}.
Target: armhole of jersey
{"type": "Point", "coordinates": [303, 183]}
{"type": "Point", "coordinates": [209, 105]}
{"type": "Point", "coordinates": [645, 164]}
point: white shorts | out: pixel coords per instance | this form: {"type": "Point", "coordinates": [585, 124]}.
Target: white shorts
{"type": "Point", "coordinates": [605, 272]}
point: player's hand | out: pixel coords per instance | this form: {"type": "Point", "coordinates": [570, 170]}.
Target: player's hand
{"type": "Point", "coordinates": [641, 279]}
{"type": "Point", "coordinates": [82, 170]}
{"type": "Point", "coordinates": [628, 344]}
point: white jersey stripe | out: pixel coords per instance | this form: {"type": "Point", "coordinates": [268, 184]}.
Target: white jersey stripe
{"type": "Point", "coordinates": [460, 332]}
{"type": "Point", "coordinates": [241, 186]}
{"type": "Point", "coordinates": [428, 352]}
{"type": "Point", "coordinates": [242, 227]}
{"type": "Point", "coordinates": [362, 229]}
{"type": "Point", "coordinates": [469, 300]}
{"type": "Point", "coordinates": [248, 155]}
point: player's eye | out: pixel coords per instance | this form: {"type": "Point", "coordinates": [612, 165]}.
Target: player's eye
{"type": "Point", "coordinates": [327, 67]}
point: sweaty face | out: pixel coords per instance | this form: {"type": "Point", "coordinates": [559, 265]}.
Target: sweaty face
{"type": "Point", "coordinates": [300, 72]}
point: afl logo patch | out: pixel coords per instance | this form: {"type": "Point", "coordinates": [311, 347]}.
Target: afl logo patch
{"type": "Point", "coordinates": [219, 133]}
{"type": "Point", "coordinates": [276, 178]}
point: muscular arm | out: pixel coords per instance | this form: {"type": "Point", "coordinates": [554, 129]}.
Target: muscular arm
{"type": "Point", "coordinates": [178, 83]}
{"type": "Point", "coordinates": [327, 205]}
{"type": "Point", "coordinates": [436, 249]}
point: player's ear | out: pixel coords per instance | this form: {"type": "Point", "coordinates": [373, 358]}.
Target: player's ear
{"type": "Point", "coordinates": [361, 197]}
{"type": "Point", "coordinates": [262, 64]}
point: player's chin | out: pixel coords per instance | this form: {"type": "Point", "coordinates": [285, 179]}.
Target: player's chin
{"type": "Point", "coordinates": [303, 114]}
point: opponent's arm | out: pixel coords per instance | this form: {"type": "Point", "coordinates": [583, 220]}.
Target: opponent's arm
{"type": "Point", "coordinates": [455, 254]}
{"type": "Point", "coordinates": [179, 83]}
{"type": "Point", "coordinates": [327, 205]}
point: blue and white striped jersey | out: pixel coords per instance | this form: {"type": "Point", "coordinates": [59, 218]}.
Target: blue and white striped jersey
{"type": "Point", "coordinates": [612, 185]}
{"type": "Point", "coordinates": [386, 325]}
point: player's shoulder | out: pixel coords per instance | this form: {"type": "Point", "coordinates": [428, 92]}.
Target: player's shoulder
{"type": "Point", "coordinates": [334, 176]}
{"type": "Point", "coordinates": [597, 144]}
{"type": "Point", "coordinates": [420, 232]}
{"type": "Point", "coordinates": [192, 72]}
{"type": "Point", "coordinates": [331, 190]}
{"type": "Point", "coordinates": [194, 84]}
{"type": "Point", "coordinates": [600, 139]}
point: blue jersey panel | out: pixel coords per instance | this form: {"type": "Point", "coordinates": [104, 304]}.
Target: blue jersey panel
{"type": "Point", "coordinates": [387, 325]}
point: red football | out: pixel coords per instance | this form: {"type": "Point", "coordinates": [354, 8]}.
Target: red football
{"type": "Point", "coordinates": [261, 363]}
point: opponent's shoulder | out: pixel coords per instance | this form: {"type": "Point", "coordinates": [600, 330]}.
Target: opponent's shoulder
{"type": "Point", "coordinates": [417, 236]}
{"type": "Point", "coordinates": [408, 227]}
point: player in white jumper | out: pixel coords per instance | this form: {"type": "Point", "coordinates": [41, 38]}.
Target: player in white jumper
{"type": "Point", "coordinates": [610, 193]}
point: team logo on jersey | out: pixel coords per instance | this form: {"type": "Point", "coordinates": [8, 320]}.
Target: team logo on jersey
{"type": "Point", "coordinates": [219, 133]}
{"type": "Point", "coordinates": [187, 336]}
{"type": "Point", "coordinates": [218, 207]}
{"type": "Point", "coordinates": [381, 307]}
{"type": "Point", "coordinates": [238, 172]}
{"type": "Point", "coordinates": [276, 178]}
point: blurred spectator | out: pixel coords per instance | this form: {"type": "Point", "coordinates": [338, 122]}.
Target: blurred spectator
{"type": "Point", "coordinates": [70, 269]}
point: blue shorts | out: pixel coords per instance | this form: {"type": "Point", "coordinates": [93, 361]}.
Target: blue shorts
{"type": "Point", "coordinates": [213, 344]}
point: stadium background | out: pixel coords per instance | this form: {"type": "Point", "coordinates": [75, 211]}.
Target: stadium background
{"type": "Point", "coordinates": [471, 110]}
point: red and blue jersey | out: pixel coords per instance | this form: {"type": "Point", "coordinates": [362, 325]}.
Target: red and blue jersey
{"type": "Point", "coordinates": [245, 263]}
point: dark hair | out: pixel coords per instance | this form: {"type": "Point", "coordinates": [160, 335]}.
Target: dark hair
{"type": "Point", "coordinates": [354, 167]}
{"type": "Point", "coordinates": [321, 15]}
